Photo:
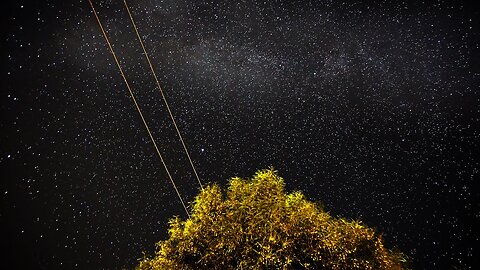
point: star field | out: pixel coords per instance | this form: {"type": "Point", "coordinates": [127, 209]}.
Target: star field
{"type": "Point", "coordinates": [370, 108]}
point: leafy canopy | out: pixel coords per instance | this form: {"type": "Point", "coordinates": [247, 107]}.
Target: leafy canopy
{"type": "Point", "coordinates": [256, 225]}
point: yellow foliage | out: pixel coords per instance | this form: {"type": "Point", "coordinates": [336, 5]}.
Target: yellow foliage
{"type": "Point", "coordinates": [259, 226]}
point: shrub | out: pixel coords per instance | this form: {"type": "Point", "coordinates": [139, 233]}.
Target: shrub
{"type": "Point", "coordinates": [256, 225]}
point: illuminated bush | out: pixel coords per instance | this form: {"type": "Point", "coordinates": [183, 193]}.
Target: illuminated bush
{"type": "Point", "coordinates": [256, 225]}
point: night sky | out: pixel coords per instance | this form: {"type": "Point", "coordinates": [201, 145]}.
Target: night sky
{"type": "Point", "coordinates": [370, 108]}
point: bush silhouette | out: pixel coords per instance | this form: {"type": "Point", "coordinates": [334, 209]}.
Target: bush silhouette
{"type": "Point", "coordinates": [256, 225]}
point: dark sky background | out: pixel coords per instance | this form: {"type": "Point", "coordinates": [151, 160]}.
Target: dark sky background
{"type": "Point", "coordinates": [370, 108]}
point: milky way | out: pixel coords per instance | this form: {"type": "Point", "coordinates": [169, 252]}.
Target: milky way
{"type": "Point", "coordinates": [371, 109]}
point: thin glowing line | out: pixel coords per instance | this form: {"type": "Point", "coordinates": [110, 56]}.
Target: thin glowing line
{"type": "Point", "coordinates": [162, 93]}
{"type": "Point", "coordinates": [136, 105]}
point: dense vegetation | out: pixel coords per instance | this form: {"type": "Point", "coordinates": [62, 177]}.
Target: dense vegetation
{"type": "Point", "coordinates": [256, 225]}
